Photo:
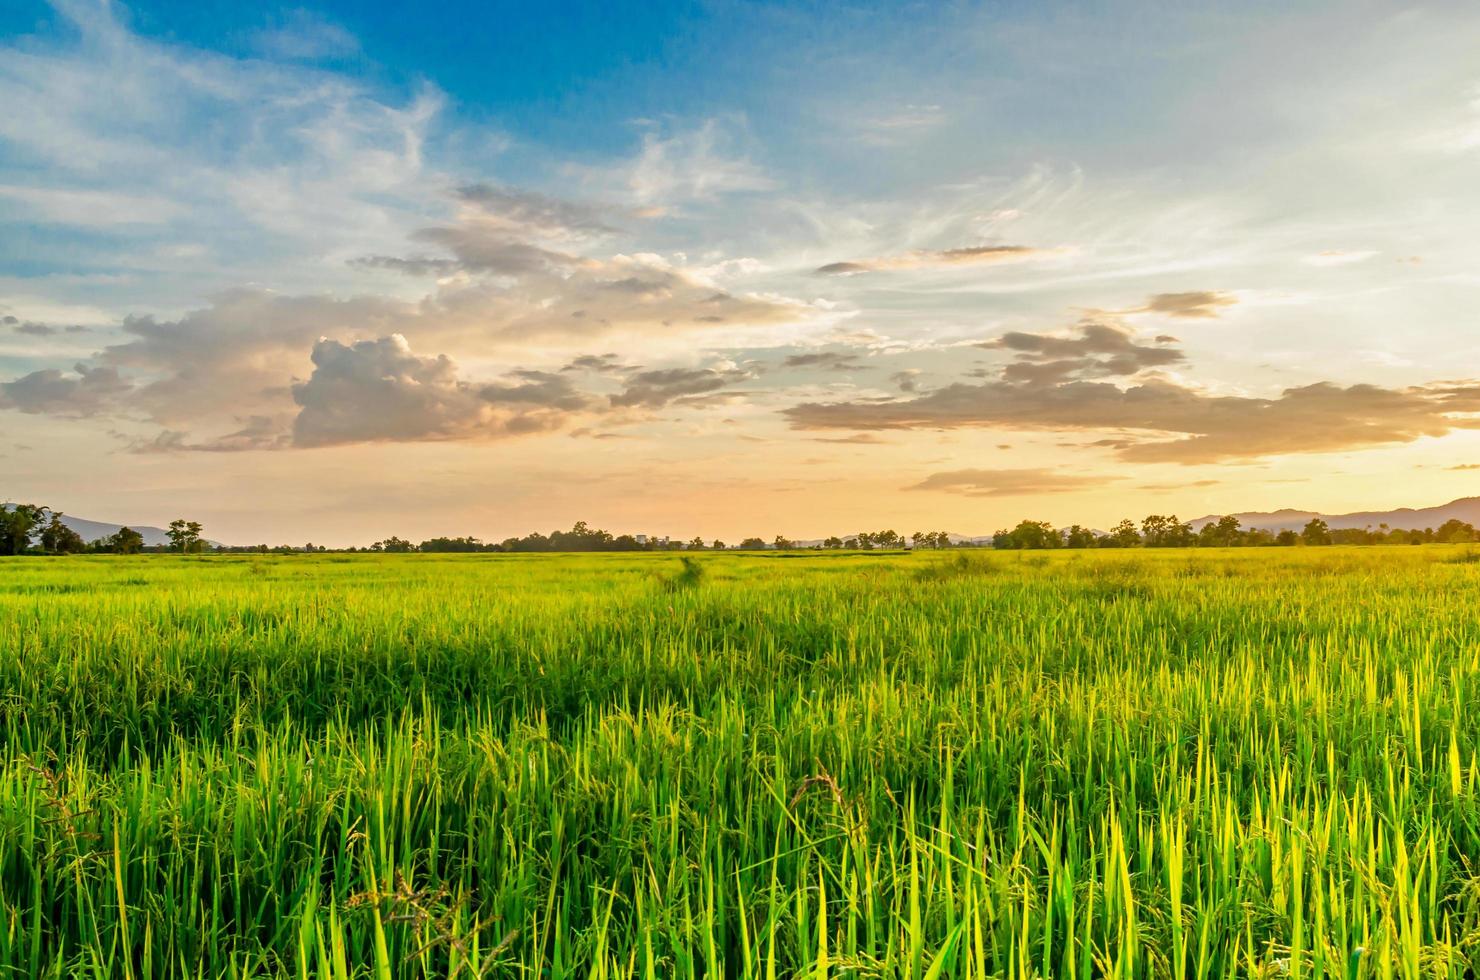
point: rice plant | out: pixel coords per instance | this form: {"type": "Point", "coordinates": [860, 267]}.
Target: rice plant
{"type": "Point", "coordinates": [1221, 763]}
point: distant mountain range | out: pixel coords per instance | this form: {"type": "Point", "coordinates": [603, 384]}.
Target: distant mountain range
{"type": "Point", "coordinates": [1466, 509]}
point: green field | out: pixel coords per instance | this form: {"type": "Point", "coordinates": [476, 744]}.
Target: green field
{"type": "Point", "coordinates": [1229, 763]}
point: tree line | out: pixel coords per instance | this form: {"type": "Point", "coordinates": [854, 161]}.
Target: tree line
{"type": "Point", "coordinates": [34, 529]}
{"type": "Point", "coordinates": [1166, 531]}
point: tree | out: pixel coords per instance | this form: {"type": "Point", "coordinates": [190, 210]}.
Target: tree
{"type": "Point", "coordinates": [1079, 537]}
{"type": "Point", "coordinates": [1316, 532]}
{"type": "Point", "coordinates": [1286, 538]}
{"type": "Point", "coordinates": [782, 544]}
{"type": "Point", "coordinates": [1455, 531]}
{"type": "Point", "coordinates": [1028, 534]}
{"type": "Point", "coordinates": [833, 542]}
{"type": "Point", "coordinates": [1222, 533]}
{"type": "Point", "coordinates": [1166, 532]}
{"type": "Point", "coordinates": [124, 541]}
{"type": "Point", "coordinates": [697, 544]}
{"type": "Point", "coordinates": [59, 539]}
{"type": "Point", "coordinates": [718, 545]}
{"type": "Point", "coordinates": [17, 524]}
{"type": "Point", "coordinates": [1122, 535]}
{"type": "Point", "coordinates": [752, 544]}
{"type": "Point", "coordinates": [184, 535]}
{"type": "Point", "coordinates": [394, 545]}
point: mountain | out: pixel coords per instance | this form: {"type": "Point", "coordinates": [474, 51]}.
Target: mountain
{"type": "Point", "coordinates": [92, 530]}
{"type": "Point", "coordinates": [1466, 509]}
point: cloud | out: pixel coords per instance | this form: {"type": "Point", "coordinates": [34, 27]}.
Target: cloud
{"type": "Point", "coordinates": [1199, 305]}
{"type": "Point", "coordinates": [1094, 349]}
{"type": "Point", "coordinates": [1316, 418]}
{"type": "Point", "coordinates": [302, 35]}
{"type": "Point", "coordinates": [536, 212]}
{"type": "Point", "coordinates": [906, 380]}
{"type": "Point", "coordinates": [599, 364]}
{"type": "Point", "coordinates": [823, 360]}
{"type": "Point", "coordinates": [89, 391]}
{"type": "Point", "coordinates": [946, 258]}
{"type": "Point", "coordinates": [654, 389]}
{"type": "Point", "coordinates": [1339, 257]}
{"type": "Point", "coordinates": [1006, 483]}
{"type": "Point", "coordinates": [907, 122]}
{"type": "Point", "coordinates": [380, 391]}
{"type": "Point", "coordinates": [675, 168]}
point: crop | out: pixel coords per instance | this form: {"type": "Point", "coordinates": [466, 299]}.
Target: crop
{"type": "Point", "coordinates": [1220, 763]}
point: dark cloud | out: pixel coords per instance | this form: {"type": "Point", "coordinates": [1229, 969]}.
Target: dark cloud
{"type": "Point", "coordinates": [1320, 417]}
{"type": "Point", "coordinates": [1007, 483]}
{"type": "Point", "coordinates": [943, 258]}
{"type": "Point", "coordinates": [89, 391]}
{"type": "Point", "coordinates": [1199, 305]}
{"type": "Point", "coordinates": [535, 211]}
{"type": "Point", "coordinates": [380, 391]}
{"type": "Point", "coordinates": [1094, 350]}
{"type": "Point", "coordinates": [906, 380]}
{"type": "Point", "coordinates": [599, 363]}
{"type": "Point", "coordinates": [824, 360]}
{"type": "Point", "coordinates": [37, 329]}
{"type": "Point", "coordinates": [654, 389]}
{"type": "Point", "coordinates": [411, 266]}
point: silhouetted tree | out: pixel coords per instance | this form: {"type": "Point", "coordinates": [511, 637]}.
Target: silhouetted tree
{"type": "Point", "coordinates": [184, 535]}
{"type": "Point", "coordinates": [59, 539]}
{"type": "Point", "coordinates": [1316, 532]}
{"type": "Point", "coordinates": [1076, 536]}
{"type": "Point", "coordinates": [18, 523]}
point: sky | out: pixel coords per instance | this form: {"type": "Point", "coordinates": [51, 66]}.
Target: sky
{"type": "Point", "coordinates": [330, 273]}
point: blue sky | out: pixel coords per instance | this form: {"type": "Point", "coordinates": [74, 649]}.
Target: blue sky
{"type": "Point", "coordinates": [295, 268]}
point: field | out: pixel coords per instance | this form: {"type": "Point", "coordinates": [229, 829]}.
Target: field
{"type": "Point", "coordinates": [1224, 763]}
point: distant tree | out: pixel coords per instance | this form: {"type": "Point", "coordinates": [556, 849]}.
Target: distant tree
{"type": "Point", "coordinates": [1455, 531]}
{"type": "Point", "coordinates": [940, 539]}
{"type": "Point", "coordinates": [1222, 533]}
{"type": "Point", "coordinates": [184, 536]}
{"type": "Point", "coordinates": [1286, 538]}
{"type": "Point", "coordinates": [59, 539]}
{"type": "Point", "coordinates": [718, 545]}
{"type": "Point", "coordinates": [124, 541]}
{"type": "Point", "coordinates": [453, 545]}
{"type": "Point", "coordinates": [1122, 535]}
{"type": "Point", "coordinates": [851, 544]}
{"type": "Point", "coordinates": [18, 523]}
{"type": "Point", "coordinates": [1159, 531]}
{"type": "Point", "coordinates": [865, 541]}
{"type": "Point", "coordinates": [783, 544]}
{"type": "Point", "coordinates": [1076, 536]}
{"type": "Point", "coordinates": [1028, 535]}
{"type": "Point", "coordinates": [394, 545]}
{"type": "Point", "coordinates": [833, 542]}
{"type": "Point", "coordinates": [752, 544]}
{"type": "Point", "coordinates": [697, 544]}
{"type": "Point", "coordinates": [888, 539]}
{"type": "Point", "coordinates": [1316, 532]}
{"type": "Point", "coordinates": [917, 540]}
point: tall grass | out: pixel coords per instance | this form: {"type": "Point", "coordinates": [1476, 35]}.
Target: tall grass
{"type": "Point", "coordinates": [1214, 764]}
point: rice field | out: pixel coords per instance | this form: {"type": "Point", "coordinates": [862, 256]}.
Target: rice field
{"type": "Point", "coordinates": [1208, 763]}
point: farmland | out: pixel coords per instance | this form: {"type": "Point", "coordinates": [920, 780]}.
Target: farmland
{"type": "Point", "coordinates": [1222, 762]}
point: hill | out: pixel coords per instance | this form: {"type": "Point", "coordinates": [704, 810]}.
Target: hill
{"type": "Point", "coordinates": [1466, 509]}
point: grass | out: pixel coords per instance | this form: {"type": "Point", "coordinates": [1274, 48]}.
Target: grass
{"type": "Point", "coordinates": [1240, 763]}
